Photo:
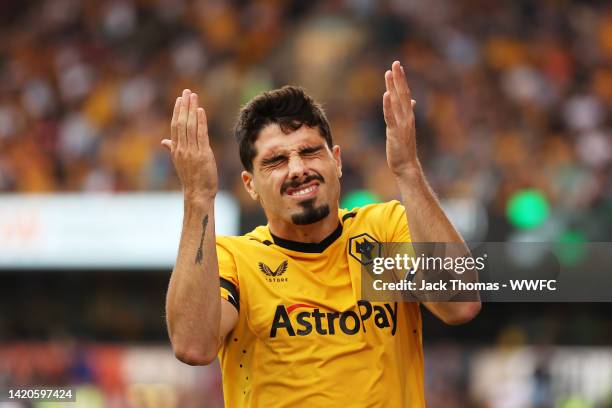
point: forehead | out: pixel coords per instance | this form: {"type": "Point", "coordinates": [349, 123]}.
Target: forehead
{"type": "Point", "coordinates": [272, 140]}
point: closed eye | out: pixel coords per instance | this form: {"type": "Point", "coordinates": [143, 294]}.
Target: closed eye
{"type": "Point", "coordinates": [273, 161]}
{"type": "Point", "coordinates": [311, 151]}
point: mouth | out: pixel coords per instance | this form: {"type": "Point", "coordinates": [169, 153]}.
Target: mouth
{"type": "Point", "coordinates": [307, 190]}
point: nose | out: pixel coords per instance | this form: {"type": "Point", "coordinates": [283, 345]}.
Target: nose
{"type": "Point", "coordinates": [296, 166]}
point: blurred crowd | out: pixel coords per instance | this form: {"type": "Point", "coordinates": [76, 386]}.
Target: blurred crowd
{"type": "Point", "coordinates": [510, 95]}
{"type": "Point", "coordinates": [506, 375]}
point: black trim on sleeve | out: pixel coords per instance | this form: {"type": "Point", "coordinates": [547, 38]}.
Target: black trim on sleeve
{"type": "Point", "coordinates": [234, 295]}
{"type": "Point", "coordinates": [309, 247]}
{"type": "Point", "coordinates": [348, 215]}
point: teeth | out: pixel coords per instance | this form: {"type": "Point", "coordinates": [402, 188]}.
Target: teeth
{"type": "Point", "coordinates": [304, 191]}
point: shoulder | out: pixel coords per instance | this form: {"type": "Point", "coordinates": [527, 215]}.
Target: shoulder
{"type": "Point", "coordinates": [259, 236]}
{"type": "Point", "coordinates": [381, 220]}
{"type": "Point", "coordinates": [375, 211]}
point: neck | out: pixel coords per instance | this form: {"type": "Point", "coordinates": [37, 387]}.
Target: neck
{"type": "Point", "coordinates": [311, 233]}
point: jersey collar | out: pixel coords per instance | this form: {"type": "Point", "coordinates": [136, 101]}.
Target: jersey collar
{"type": "Point", "coordinates": [309, 247]}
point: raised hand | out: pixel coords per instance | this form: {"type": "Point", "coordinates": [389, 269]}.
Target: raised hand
{"type": "Point", "coordinates": [190, 148]}
{"type": "Point", "coordinates": [399, 116]}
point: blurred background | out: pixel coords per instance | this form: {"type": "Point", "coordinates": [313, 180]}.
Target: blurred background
{"type": "Point", "coordinates": [514, 127]}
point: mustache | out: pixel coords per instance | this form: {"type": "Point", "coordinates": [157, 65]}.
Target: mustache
{"type": "Point", "coordinates": [295, 183]}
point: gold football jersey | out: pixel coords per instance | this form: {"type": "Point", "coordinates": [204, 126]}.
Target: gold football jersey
{"type": "Point", "coordinates": [305, 337]}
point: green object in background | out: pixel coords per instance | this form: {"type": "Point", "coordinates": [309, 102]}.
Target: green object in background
{"type": "Point", "coordinates": [527, 209]}
{"type": "Point", "coordinates": [570, 249]}
{"type": "Point", "coordinates": [359, 198]}
{"type": "Point", "coordinates": [573, 402]}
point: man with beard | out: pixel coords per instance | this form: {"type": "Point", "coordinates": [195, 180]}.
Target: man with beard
{"type": "Point", "coordinates": [290, 326]}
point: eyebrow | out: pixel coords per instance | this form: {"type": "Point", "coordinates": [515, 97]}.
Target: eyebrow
{"type": "Point", "coordinates": [311, 149]}
{"type": "Point", "coordinates": [283, 156]}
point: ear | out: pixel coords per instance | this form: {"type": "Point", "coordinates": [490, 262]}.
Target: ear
{"type": "Point", "coordinates": [337, 159]}
{"type": "Point", "coordinates": [249, 184]}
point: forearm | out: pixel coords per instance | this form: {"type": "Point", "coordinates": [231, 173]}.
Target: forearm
{"type": "Point", "coordinates": [426, 219]}
{"type": "Point", "coordinates": [193, 303]}
{"type": "Point", "coordinates": [427, 222]}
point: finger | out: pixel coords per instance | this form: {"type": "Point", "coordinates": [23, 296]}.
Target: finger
{"type": "Point", "coordinates": [174, 122]}
{"type": "Point", "coordinates": [387, 110]}
{"type": "Point", "coordinates": [396, 109]}
{"type": "Point", "coordinates": [192, 121]}
{"type": "Point", "coordinates": [167, 143]}
{"type": "Point", "coordinates": [182, 120]}
{"type": "Point", "coordinates": [202, 129]}
{"type": "Point", "coordinates": [401, 84]}
{"type": "Point", "coordinates": [412, 103]}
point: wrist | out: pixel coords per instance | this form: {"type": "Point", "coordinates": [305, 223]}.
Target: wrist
{"type": "Point", "coordinates": [199, 194]}
{"type": "Point", "coordinates": [199, 199]}
{"type": "Point", "coordinates": [409, 172]}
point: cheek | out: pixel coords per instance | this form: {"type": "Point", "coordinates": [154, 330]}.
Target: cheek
{"type": "Point", "coordinates": [330, 170]}
{"type": "Point", "coordinates": [271, 183]}
{"type": "Point", "coordinates": [335, 185]}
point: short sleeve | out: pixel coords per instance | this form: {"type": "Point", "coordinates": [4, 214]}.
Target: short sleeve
{"type": "Point", "coordinates": [397, 222]}
{"type": "Point", "coordinates": [228, 275]}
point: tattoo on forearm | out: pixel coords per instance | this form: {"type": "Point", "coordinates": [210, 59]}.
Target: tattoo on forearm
{"type": "Point", "coordinates": [200, 253]}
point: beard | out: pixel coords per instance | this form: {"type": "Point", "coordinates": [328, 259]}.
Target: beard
{"type": "Point", "coordinates": [310, 214]}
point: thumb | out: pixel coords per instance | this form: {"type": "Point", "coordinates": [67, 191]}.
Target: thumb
{"type": "Point", "coordinates": [167, 143]}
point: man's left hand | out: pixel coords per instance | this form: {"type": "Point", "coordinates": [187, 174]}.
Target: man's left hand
{"type": "Point", "coordinates": [399, 116]}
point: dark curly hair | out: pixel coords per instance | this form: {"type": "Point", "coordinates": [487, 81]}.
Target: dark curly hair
{"type": "Point", "coordinates": [289, 107]}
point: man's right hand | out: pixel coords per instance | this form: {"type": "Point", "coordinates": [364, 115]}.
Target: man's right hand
{"type": "Point", "coordinates": [190, 148]}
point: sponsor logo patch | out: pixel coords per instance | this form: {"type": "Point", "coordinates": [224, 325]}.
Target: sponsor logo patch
{"type": "Point", "coordinates": [313, 321]}
{"type": "Point", "coordinates": [274, 275]}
